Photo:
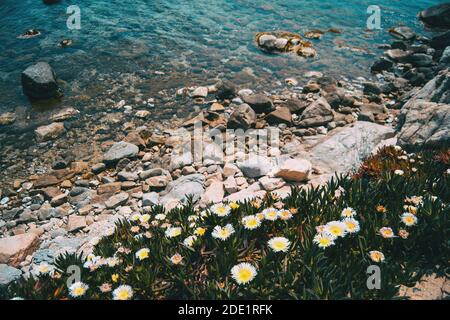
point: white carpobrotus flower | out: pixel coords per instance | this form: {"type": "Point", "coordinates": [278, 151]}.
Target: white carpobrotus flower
{"type": "Point", "coordinates": [351, 225]}
{"type": "Point", "coordinates": [376, 256]}
{"type": "Point", "coordinates": [136, 217]}
{"type": "Point", "coordinates": [285, 214]}
{"type": "Point", "coordinates": [386, 232]}
{"type": "Point", "coordinates": [243, 273]}
{"type": "Point", "coordinates": [189, 241]}
{"type": "Point", "coordinates": [44, 268]}
{"type": "Point", "coordinates": [143, 254]}
{"type": "Point", "coordinates": [348, 212]}
{"type": "Point", "coordinates": [336, 228]}
{"type": "Point", "coordinates": [279, 244]}
{"type": "Point", "coordinates": [399, 172]}
{"type": "Point", "coordinates": [409, 219]}
{"type": "Point", "coordinates": [173, 232]}
{"type": "Point", "coordinates": [123, 292]}
{"type": "Point", "coordinates": [251, 222]}
{"type": "Point", "coordinates": [221, 210]}
{"type": "Point", "coordinates": [160, 216]}
{"type": "Point", "coordinates": [78, 289]}
{"type": "Point", "coordinates": [112, 262]}
{"type": "Point", "coordinates": [270, 214]}
{"type": "Point", "coordinates": [222, 233]}
{"type": "Point", "coordinates": [323, 240]}
{"type": "Point", "coordinates": [176, 258]}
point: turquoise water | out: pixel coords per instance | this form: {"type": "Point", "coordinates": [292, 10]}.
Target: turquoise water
{"type": "Point", "coordinates": [186, 42]}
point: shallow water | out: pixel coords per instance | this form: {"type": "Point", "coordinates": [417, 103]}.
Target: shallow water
{"type": "Point", "coordinates": [192, 42]}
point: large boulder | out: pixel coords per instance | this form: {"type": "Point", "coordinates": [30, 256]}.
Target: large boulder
{"type": "Point", "coordinates": [441, 41]}
{"type": "Point", "coordinates": [39, 82]}
{"type": "Point", "coordinates": [13, 250]}
{"type": "Point", "coordinates": [345, 148]}
{"type": "Point", "coordinates": [425, 124]}
{"type": "Point", "coordinates": [436, 90]}
{"type": "Point", "coordinates": [319, 113]}
{"type": "Point", "coordinates": [294, 170]}
{"type": "Point", "coordinates": [120, 150]}
{"type": "Point", "coordinates": [181, 188]}
{"type": "Point", "coordinates": [437, 16]}
{"type": "Point", "coordinates": [243, 117]}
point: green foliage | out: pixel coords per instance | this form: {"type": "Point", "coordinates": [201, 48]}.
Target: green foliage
{"type": "Point", "coordinates": [377, 194]}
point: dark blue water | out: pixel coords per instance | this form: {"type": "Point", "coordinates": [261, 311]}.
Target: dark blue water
{"type": "Point", "coordinates": [191, 41]}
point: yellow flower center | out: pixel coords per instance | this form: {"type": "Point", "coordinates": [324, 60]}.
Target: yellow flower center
{"type": "Point", "coordinates": [335, 231]}
{"type": "Point", "coordinates": [244, 275]}
{"type": "Point", "coordinates": [123, 295]}
{"type": "Point", "coordinates": [324, 241]}
{"type": "Point", "coordinates": [79, 291]}
{"type": "Point", "coordinates": [252, 223]}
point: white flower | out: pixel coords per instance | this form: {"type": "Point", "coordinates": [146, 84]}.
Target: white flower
{"type": "Point", "coordinates": [44, 268]}
{"type": "Point", "coordinates": [270, 214]}
{"type": "Point", "coordinates": [351, 225]}
{"type": "Point", "coordinates": [336, 228]}
{"type": "Point", "coordinates": [243, 273]}
{"type": "Point", "coordinates": [323, 240]}
{"type": "Point", "coordinates": [279, 244]}
{"type": "Point", "coordinates": [123, 292]}
{"type": "Point", "coordinates": [189, 241]}
{"type": "Point", "coordinates": [387, 232]}
{"type": "Point", "coordinates": [173, 232]}
{"type": "Point", "coordinates": [78, 289]}
{"type": "Point", "coordinates": [222, 233]}
{"type": "Point", "coordinates": [399, 172]}
{"type": "Point", "coordinates": [221, 210]}
{"type": "Point", "coordinates": [285, 214]}
{"type": "Point", "coordinates": [142, 254]}
{"type": "Point", "coordinates": [409, 219]}
{"type": "Point", "coordinates": [348, 212]}
{"type": "Point", "coordinates": [160, 216]}
{"type": "Point", "coordinates": [376, 256]}
{"type": "Point", "coordinates": [251, 222]}
{"type": "Point", "coordinates": [112, 262]}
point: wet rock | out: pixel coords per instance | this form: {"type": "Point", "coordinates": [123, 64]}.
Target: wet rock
{"type": "Point", "coordinates": [142, 114]}
{"type": "Point", "coordinates": [397, 54]}
{"type": "Point", "coordinates": [39, 82]}
{"type": "Point", "coordinates": [419, 60]}
{"type": "Point", "coordinates": [65, 114]}
{"type": "Point", "coordinates": [13, 250]}
{"type": "Point", "coordinates": [51, 1]}
{"type": "Point", "coordinates": [200, 92]}
{"type": "Point", "coordinates": [7, 118]}
{"type": "Point", "coordinates": [445, 58]}
{"type": "Point", "coordinates": [8, 274]}
{"type": "Point", "coordinates": [402, 33]}
{"type": "Point", "coordinates": [49, 132]}
{"type": "Point", "coordinates": [260, 103]}
{"type": "Point", "coordinates": [437, 16]}
{"type": "Point", "coordinates": [280, 115]}
{"type": "Point", "coordinates": [319, 113]}
{"type": "Point", "coordinates": [294, 170]}
{"type": "Point", "coordinates": [120, 150]}
{"type": "Point", "coordinates": [381, 64]}
{"type": "Point", "coordinates": [441, 41]}
{"type": "Point", "coordinates": [243, 117]}
{"type": "Point", "coordinates": [255, 166]}
{"type": "Point", "coordinates": [226, 90]}
{"type": "Point", "coordinates": [371, 88]}
{"type": "Point", "coordinates": [117, 200]}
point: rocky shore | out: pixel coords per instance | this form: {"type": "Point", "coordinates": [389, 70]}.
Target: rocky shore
{"type": "Point", "coordinates": [57, 200]}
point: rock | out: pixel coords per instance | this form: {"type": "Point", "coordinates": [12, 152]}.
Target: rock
{"type": "Point", "coordinates": [252, 192]}
{"type": "Point", "coordinates": [51, 1]}
{"type": "Point", "coordinates": [39, 82]}
{"type": "Point", "coordinates": [200, 92]}
{"type": "Point", "coordinates": [280, 115]}
{"type": "Point", "coordinates": [319, 113]}
{"type": "Point", "coordinates": [64, 114]}
{"type": "Point", "coordinates": [294, 170]}
{"type": "Point", "coordinates": [436, 90]}
{"type": "Point", "coordinates": [49, 132]}
{"type": "Point", "coordinates": [381, 64]}
{"type": "Point", "coordinates": [425, 124]}
{"type": "Point", "coordinates": [226, 90]}
{"type": "Point", "coordinates": [371, 88]}
{"type": "Point", "coordinates": [260, 103]}
{"type": "Point", "coordinates": [120, 150]}
{"type": "Point", "coordinates": [153, 173]}
{"type": "Point", "coordinates": [214, 193]}
{"type": "Point", "coordinates": [441, 41]}
{"type": "Point", "coordinates": [230, 185]}
{"type": "Point", "coordinates": [437, 16]}
{"type": "Point", "coordinates": [7, 118]}
{"type": "Point", "coordinates": [230, 169]}
{"type": "Point", "coordinates": [98, 168]}
{"type": "Point", "coordinates": [127, 176]}
{"type": "Point", "coordinates": [270, 184]}
{"type": "Point", "coordinates": [150, 199]}
{"type": "Point", "coordinates": [398, 55]}
{"type": "Point", "coordinates": [159, 181]}
{"type": "Point", "coordinates": [134, 138]}
{"type": "Point", "coordinates": [255, 166]}
{"type": "Point", "coordinates": [13, 250]}
{"type": "Point", "coordinates": [142, 114]}
{"type": "Point", "coordinates": [179, 189]}
{"type": "Point", "coordinates": [419, 60]}
{"type": "Point", "coordinates": [59, 200]}
{"type": "Point", "coordinates": [445, 59]}
{"type": "Point", "coordinates": [8, 274]}
{"type": "Point", "coordinates": [243, 117]}
{"type": "Point", "coordinates": [76, 223]}
{"type": "Point", "coordinates": [343, 149]}
{"type": "Point", "coordinates": [403, 33]}
{"type": "Point", "coordinates": [45, 181]}
{"type": "Point", "coordinates": [117, 200]}
{"type": "Point", "coordinates": [296, 106]}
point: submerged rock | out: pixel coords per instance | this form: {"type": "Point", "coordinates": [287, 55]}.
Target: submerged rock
{"type": "Point", "coordinates": [7, 118]}
{"type": "Point", "coordinates": [283, 41]}
{"type": "Point", "coordinates": [259, 102]}
{"type": "Point", "coordinates": [49, 132]}
{"type": "Point", "coordinates": [39, 82]}
{"type": "Point", "coordinates": [402, 33]}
